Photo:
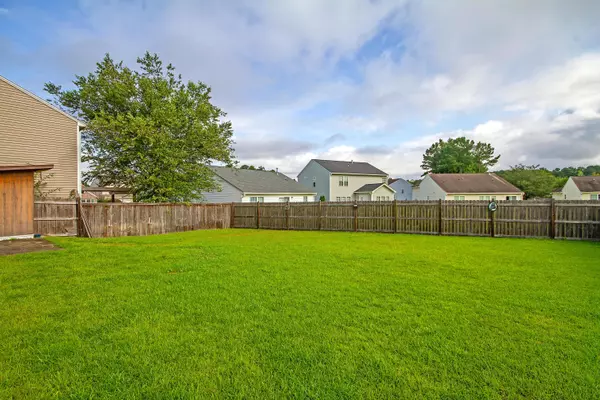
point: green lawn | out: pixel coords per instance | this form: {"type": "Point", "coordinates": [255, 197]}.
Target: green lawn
{"type": "Point", "coordinates": [272, 314]}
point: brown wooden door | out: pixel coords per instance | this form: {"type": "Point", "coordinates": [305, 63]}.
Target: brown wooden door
{"type": "Point", "coordinates": [16, 203]}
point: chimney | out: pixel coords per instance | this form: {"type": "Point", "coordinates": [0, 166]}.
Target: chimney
{"type": "Point", "coordinates": [277, 170]}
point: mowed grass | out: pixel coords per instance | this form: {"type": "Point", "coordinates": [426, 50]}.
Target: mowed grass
{"type": "Point", "coordinates": [274, 314]}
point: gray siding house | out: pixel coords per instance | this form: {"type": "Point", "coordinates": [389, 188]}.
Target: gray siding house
{"type": "Point", "coordinates": [404, 189]}
{"type": "Point", "coordinates": [346, 181]}
{"type": "Point", "coordinates": [244, 185]}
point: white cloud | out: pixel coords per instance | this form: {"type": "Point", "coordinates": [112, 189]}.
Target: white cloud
{"type": "Point", "coordinates": [524, 74]}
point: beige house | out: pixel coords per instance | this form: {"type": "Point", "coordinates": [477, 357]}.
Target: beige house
{"type": "Point", "coordinates": [581, 188]}
{"type": "Point", "coordinates": [487, 186]}
{"type": "Point", "coordinates": [346, 181]}
{"type": "Point", "coordinates": [32, 131]}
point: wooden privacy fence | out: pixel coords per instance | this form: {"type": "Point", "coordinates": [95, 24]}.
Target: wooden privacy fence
{"type": "Point", "coordinates": [126, 219]}
{"type": "Point", "coordinates": [56, 217]}
{"type": "Point", "coordinates": [139, 219]}
{"type": "Point", "coordinates": [554, 219]}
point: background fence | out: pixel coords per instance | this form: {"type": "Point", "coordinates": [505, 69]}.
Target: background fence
{"type": "Point", "coordinates": [542, 219]}
{"type": "Point", "coordinates": [550, 219]}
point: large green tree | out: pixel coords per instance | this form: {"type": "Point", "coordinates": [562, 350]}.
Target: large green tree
{"type": "Point", "coordinates": [459, 155]}
{"type": "Point", "coordinates": [536, 182]}
{"type": "Point", "coordinates": [147, 130]}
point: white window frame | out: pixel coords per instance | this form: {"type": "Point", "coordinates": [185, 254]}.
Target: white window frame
{"type": "Point", "coordinates": [594, 196]}
{"type": "Point", "coordinates": [511, 198]}
{"type": "Point", "coordinates": [284, 199]}
{"type": "Point", "coordinates": [459, 198]}
{"type": "Point", "coordinates": [305, 199]}
{"type": "Point", "coordinates": [257, 199]}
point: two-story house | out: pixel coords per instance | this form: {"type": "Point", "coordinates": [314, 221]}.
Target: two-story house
{"type": "Point", "coordinates": [34, 132]}
{"type": "Point", "coordinates": [346, 181]}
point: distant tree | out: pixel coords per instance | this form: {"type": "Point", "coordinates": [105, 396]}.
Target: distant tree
{"type": "Point", "coordinates": [322, 198]}
{"type": "Point", "coordinates": [534, 181]}
{"type": "Point", "coordinates": [148, 130]}
{"type": "Point", "coordinates": [459, 155]}
{"type": "Point", "coordinates": [253, 168]}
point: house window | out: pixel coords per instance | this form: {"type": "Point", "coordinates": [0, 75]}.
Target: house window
{"type": "Point", "coordinates": [343, 180]}
{"type": "Point", "coordinates": [257, 199]}
{"type": "Point", "coordinates": [314, 184]}
{"type": "Point", "coordinates": [338, 199]}
{"type": "Point", "coordinates": [459, 197]}
{"type": "Point", "coordinates": [484, 197]}
{"type": "Point", "coordinates": [511, 197]}
{"type": "Point", "coordinates": [305, 199]}
{"type": "Point", "coordinates": [595, 196]}
{"type": "Point", "coordinates": [402, 191]}
{"type": "Point", "coordinates": [284, 199]}
{"type": "Point", "coordinates": [383, 180]}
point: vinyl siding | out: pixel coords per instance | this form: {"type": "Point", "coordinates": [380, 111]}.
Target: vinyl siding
{"type": "Point", "coordinates": [274, 198]}
{"type": "Point", "coordinates": [321, 179]}
{"type": "Point", "coordinates": [404, 190]}
{"type": "Point", "coordinates": [355, 182]}
{"type": "Point", "coordinates": [32, 132]}
{"type": "Point", "coordinates": [227, 194]}
{"type": "Point", "coordinates": [382, 191]}
{"type": "Point", "coordinates": [429, 190]}
{"type": "Point", "coordinates": [571, 191]}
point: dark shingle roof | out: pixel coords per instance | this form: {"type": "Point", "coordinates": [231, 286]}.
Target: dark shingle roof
{"type": "Point", "coordinates": [473, 183]}
{"type": "Point", "coordinates": [369, 187]}
{"type": "Point", "coordinates": [254, 181]}
{"type": "Point", "coordinates": [587, 183]}
{"type": "Point", "coordinates": [350, 167]}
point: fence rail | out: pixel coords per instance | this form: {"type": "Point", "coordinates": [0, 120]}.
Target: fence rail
{"type": "Point", "coordinates": [578, 220]}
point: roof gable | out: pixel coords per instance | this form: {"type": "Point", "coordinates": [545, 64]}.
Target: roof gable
{"type": "Point", "coordinates": [473, 183]}
{"type": "Point", "coordinates": [255, 181]}
{"type": "Point", "coordinates": [371, 187]}
{"type": "Point", "coordinates": [587, 183]}
{"type": "Point", "coordinates": [349, 167]}
{"type": "Point", "coordinates": [47, 104]}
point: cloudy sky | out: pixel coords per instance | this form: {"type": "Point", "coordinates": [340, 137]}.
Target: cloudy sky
{"type": "Point", "coordinates": [374, 81]}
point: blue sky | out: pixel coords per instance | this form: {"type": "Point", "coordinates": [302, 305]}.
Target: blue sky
{"type": "Point", "coordinates": [376, 80]}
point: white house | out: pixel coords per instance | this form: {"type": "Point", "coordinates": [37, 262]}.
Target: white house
{"type": "Point", "coordinates": [346, 181]}
{"type": "Point", "coordinates": [487, 186]}
{"type": "Point", "coordinates": [244, 185]}
{"type": "Point", "coordinates": [580, 188]}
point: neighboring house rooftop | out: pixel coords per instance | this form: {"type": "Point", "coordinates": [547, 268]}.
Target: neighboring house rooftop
{"type": "Point", "coordinates": [371, 187]}
{"type": "Point", "coordinates": [587, 183]}
{"type": "Point", "coordinates": [349, 167]}
{"type": "Point", "coordinates": [256, 181]}
{"type": "Point", "coordinates": [473, 183]}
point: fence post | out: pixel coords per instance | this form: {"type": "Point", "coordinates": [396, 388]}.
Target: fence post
{"type": "Point", "coordinates": [440, 225]}
{"type": "Point", "coordinates": [78, 215]}
{"type": "Point", "coordinates": [355, 216]}
{"type": "Point", "coordinates": [492, 224]}
{"type": "Point", "coordinates": [552, 219]}
{"type": "Point", "coordinates": [395, 216]}
{"type": "Point", "coordinates": [232, 212]}
{"type": "Point", "coordinates": [287, 215]}
{"type": "Point", "coordinates": [257, 214]}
